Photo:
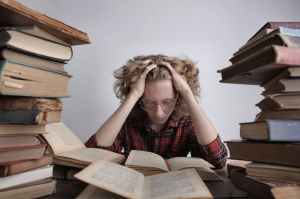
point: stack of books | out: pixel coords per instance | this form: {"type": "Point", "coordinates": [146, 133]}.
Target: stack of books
{"type": "Point", "coordinates": [34, 49]}
{"type": "Point", "coordinates": [271, 59]}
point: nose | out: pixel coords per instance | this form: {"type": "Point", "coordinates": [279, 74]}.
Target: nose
{"type": "Point", "coordinates": [159, 111]}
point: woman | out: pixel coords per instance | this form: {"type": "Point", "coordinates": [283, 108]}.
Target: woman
{"type": "Point", "coordinates": [159, 112]}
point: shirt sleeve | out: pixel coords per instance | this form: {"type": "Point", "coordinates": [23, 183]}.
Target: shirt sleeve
{"type": "Point", "coordinates": [214, 152]}
{"type": "Point", "coordinates": [117, 146]}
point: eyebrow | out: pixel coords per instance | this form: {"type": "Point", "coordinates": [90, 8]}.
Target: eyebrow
{"type": "Point", "coordinates": [161, 100]}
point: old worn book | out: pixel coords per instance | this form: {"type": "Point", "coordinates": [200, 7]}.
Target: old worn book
{"type": "Point", "coordinates": [283, 192]}
{"type": "Point", "coordinates": [93, 192]}
{"type": "Point", "coordinates": [287, 85]}
{"type": "Point", "coordinates": [150, 163]}
{"type": "Point", "coordinates": [20, 147]}
{"type": "Point", "coordinates": [32, 190]}
{"type": "Point", "coordinates": [132, 184]}
{"type": "Point", "coordinates": [265, 34]}
{"type": "Point", "coordinates": [61, 172]}
{"type": "Point", "coordinates": [29, 60]}
{"type": "Point", "coordinates": [293, 114]}
{"type": "Point", "coordinates": [38, 32]}
{"type": "Point", "coordinates": [282, 153]}
{"type": "Point", "coordinates": [274, 172]}
{"type": "Point", "coordinates": [271, 130]}
{"type": "Point", "coordinates": [261, 66]}
{"type": "Point", "coordinates": [24, 80]}
{"type": "Point", "coordinates": [26, 177]}
{"type": "Point", "coordinates": [273, 25]}
{"type": "Point", "coordinates": [291, 72]}
{"type": "Point", "coordinates": [18, 129]}
{"type": "Point", "coordinates": [237, 165]}
{"type": "Point", "coordinates": [15, 38]}
{"type": "Point", "coordinates": [280, 102]}
{"type": "Point", "coordinates": [26, 165]}
{"type": "Point", "coordinates": [29, 110]}
{"type": "Point", "coordinates": [273, 38]}
{"type": "Point", "coordinates": [256, 188]}
{"type": "Point", "coordinates": [13, 13]}
{"type": "Point", "coordinates": [69, 150]}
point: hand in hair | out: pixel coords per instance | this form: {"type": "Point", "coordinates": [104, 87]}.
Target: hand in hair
{"type": "Point", "coordinates": [179, 82]}
{"type": "Point", "coordinates": [138, 87]}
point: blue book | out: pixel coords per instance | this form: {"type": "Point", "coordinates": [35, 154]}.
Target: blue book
{"type": "Point", "coordinates": [271, 130]}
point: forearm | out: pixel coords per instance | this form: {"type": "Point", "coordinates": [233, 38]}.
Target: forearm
{"type": "Point", "coordinates": [204, 129]}
{"type": "Point", "coordinates": [108, 132]}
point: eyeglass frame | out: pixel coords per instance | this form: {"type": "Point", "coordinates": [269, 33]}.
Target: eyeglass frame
{"type": "Point", "coordinates": [172, 105]}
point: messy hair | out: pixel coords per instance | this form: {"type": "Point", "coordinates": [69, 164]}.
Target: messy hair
{"type": "Point", "coordinates": [131, 71]}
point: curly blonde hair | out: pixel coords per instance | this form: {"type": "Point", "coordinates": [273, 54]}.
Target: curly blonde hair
{"type": "Point", "coordinates": [131, 71]}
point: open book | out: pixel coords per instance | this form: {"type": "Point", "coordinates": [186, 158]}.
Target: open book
{"type": "Point", "coordinates": [150, 163]}
{"type": "Point", "coordinates": [92, 192]}
{"type": "Point", "coordinates": [129, 183]}
{"type": "Point", "coordinates": [69, 150]}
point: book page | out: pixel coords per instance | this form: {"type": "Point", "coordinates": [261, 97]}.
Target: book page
{"type": "Point", "coordinates": [146, 159]}
{"type": "Point", "coordinates": [202, 167]}
{"type": "Point", "coordinates": [89, 155]}
{"type": "Point", "coordinates": [61, 138]}
{"type": "Point", "coordinates": [175, 184]}
{"type": "Point", "coordinates": [114, 178]}
{"type": "Point", "coordinates": [184, 162]}
{"type": "Point", "coordinates": [92, 192]}
{"type": "Point", "coordinates": [290, 192]}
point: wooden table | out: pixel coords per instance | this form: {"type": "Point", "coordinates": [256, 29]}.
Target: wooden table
{"type": "Point", "coordinates": [219, 189]}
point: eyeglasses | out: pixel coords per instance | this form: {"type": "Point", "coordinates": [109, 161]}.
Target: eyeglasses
{"type": "Point", "coordinates": [167, 105]}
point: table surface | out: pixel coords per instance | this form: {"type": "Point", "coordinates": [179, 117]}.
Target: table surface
{"type": "Point", "coordinates": [220, 190]}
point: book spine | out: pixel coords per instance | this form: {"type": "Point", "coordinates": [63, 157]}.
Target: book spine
{"type": "Point", "coordinates": [287, 56]}
{"type": "Point", "coordinates": [23, 117]}
{"type": "Point", "coordinates": [284, 130]}
{"type": "Point", "coordinates": [29, 103]}
{"type": "Point", "coordinates": [285, 152]}
{"type": "Point", "coordinates": [28, 165]}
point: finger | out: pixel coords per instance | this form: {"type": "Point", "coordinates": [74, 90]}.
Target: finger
{"type": "Point", "coordinates": [148, 69]}
{"type": "Point", "coordinates": [146, 62]}
{"type": "Point", "coordinates": [169, 66]}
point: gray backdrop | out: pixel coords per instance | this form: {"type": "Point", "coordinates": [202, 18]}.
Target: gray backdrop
{"type": "Point", "coordinates": [206, 31]}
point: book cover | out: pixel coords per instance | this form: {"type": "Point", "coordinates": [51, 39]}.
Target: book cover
{"type": "Point", "coordinates": [282, 153]}
{"type": "Point", "coordinates": [33, 45]}
{"type": "Point", "coordinates": [261, 66]}
{"type": "Point", "coordinates": [17, 14]}
{"type": "Point", "coordinates": [271, 130]}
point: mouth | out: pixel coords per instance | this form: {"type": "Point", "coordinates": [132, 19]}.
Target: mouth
{"type": "Point", "coordinates": [159, 120]}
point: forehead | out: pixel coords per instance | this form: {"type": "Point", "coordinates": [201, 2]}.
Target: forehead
{"type": "Point", "coordinates": [159, 90]}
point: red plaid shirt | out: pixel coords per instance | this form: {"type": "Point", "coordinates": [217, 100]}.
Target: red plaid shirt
{"type": "Point", "coordinates": [176, 139]}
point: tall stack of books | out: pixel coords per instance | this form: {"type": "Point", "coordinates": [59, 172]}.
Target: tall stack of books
{"type": "Point", "coordinates": [271, 59]}
{"type": "Point", "coordinates": [34, 49]}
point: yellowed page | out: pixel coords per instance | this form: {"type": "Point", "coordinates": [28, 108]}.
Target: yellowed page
{"type": "Point", "coordinates": [288, 192]}
{"type": "Point", "coordinates": [203, 167]}
{"type": "Point", "coordinates": [185, 162]}
{"type": "Point", "coordinates": [92, 192]}
{"type": "Point", "coordinates": [114, 178]}
{"type": "Point", "coordinates": [176, 184]}
{"type": "Point", "coordinates": [61, 138]}
{"type": "Point", "coordinates": [146, 159]}
{"type": "Point", "coordinates": [89, 155]}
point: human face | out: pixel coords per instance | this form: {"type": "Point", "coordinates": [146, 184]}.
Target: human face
{"type": "Point", "coordinates": [159, 100]}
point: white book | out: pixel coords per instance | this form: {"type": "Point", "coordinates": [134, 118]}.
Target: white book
{"type": "Point", "coordinates": [128, 183]}
{"type": "Point", "coordinates": [26, 177]}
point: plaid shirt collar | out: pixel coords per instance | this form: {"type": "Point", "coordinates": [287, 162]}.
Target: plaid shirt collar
{"type": "Point", "coordinates": [169, 129]}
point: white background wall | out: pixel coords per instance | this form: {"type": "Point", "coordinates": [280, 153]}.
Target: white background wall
{"type": "Point", "coordinates": [208, 32]}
